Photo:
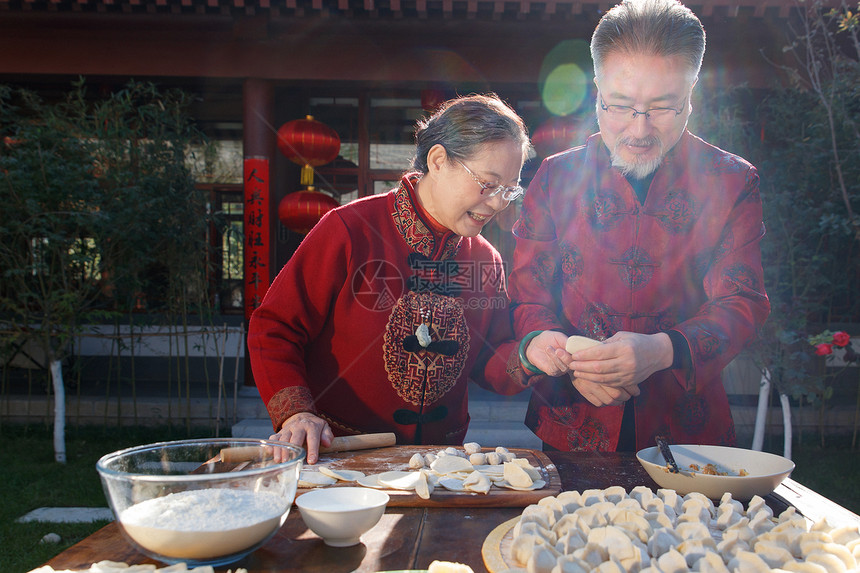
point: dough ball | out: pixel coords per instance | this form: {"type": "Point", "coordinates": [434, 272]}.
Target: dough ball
{"type": "Point", "coordinates": [416, 461]}
{"type": "Point", "coordinates": [576, 343]}
{"type": "Point", "coordinates": [478, 459]}
{"type": "Point", "coordinates": [471, 448]}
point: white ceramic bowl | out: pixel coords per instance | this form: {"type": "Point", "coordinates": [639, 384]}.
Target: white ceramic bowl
{"type": "Point", "coordinates": [764, 471]}
{"type": "Point", "coordinates": [213, 517]}
{"type": "Point", "coordinates": [340, 515]}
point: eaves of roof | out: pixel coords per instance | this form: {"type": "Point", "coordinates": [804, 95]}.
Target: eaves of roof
{"type": "Point", "coordinates": [395, 9]}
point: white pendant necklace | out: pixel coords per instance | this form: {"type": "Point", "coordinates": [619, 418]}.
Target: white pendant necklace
{"type": "Point", "coordinates": [423, 331]}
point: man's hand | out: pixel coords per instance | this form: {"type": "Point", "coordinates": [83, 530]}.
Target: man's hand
{"type": "Point", "coordinates": [601, 395]}
{"type": "Point", "coordinates": [623, 360]}
{"type": "Point", "coordinates": [306, 430]}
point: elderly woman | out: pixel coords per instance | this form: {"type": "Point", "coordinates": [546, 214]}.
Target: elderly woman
{"type": "Point", "coordinates": [392, 302]}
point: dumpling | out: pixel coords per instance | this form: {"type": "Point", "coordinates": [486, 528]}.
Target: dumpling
{"type": "Point", "coordinates": [658, 520]}
{"type": "Point", "coordinates": [756, 504]}
{"type": "Point", "coordinates": [761, 522]}
{"type": "Point", "coordinates": [696, 508]}
{"type": "Point", "coordinates": [672, 562]}
{"type": "Point", "coordinates": [654, 504]}
{"type": "Point", "coordinates": [609, 567]}
{"type": "Point", "coordinates": [804, 567]}
{"type": "Point", "coordinates": [542, 560]}
{"type": "Point", "coordinates": [839, 551]}
{"type": "Point", "coordinates": [629, 503]}
{"type": "Point", "coordinates": [571, 564]}
{"type": "Point", "coordinates": [592, 496]}
{"type": "Point", "coordinates": [592, 553]}
{"type": "Point", "coordinates": [726, 517]}
{"type": "Point", "coordinates": [706, 501]}
{"type": "Point", "coordinates": [570, 542]}
{"type": "Point", "coordinates": [741, 530]}
{"type": "Point", "coordinates": [591, 516]}
{"type": "Point", "coordinates": [539, 513]}
{"type": "Point", "coordinates": [523, 546]}
{"type": "Point", "coordinates": [831, 563]}
{"type": "Point", "coordinates": [671, 498]}
{"type": "Point", "coordinates": [712, 563]}
{"type": "Point", "coordinates": [728, 501]}
{"type": "Point", "coordinates": [748, 562]}
{"type": "Point", "coordinates": [642, 494]}
{"type": "Point", "coordinates": [611, 538]}
{"type": "Point", "coordinates": [570, 501]}
{"type": "Point", "coordinates": [568, 523]}
{"type": "Point", "coordinates": [692, 530]}
{"type": "Point", "coordinates": [695, 549]}
{"type": "Point", "coordinates": [774, 554]}
{"type": "Point", "coordinates": [662, 541]}
{"type": "Point", "coordinates": [636, 525]}
{"type": "Point", "coordinates": [614, 493]}
{"type": "Point", "coordinates": [731, 546]}
{"type": "Point", "coordinates": [845, 535]}
{"type": "Point", "coordinates": [554, 505]}
{"type": "Point", "coordinates": [533, 528]}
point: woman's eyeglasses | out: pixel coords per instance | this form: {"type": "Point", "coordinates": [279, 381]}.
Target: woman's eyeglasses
{"type": "Point", "coordinates": [508, 193]}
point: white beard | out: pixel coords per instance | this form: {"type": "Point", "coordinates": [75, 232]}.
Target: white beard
{"type": "Point", "coordinates": [637, 169]}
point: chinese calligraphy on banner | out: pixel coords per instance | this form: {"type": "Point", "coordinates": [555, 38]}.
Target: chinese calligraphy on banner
{"type": "Point", "coordinates": [256, 177]}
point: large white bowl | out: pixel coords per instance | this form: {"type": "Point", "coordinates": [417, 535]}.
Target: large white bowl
{"type": "Point", "coordinates": [340, 515]}
{"type": "Point", "coordinates": [764, 471]}
{"type": "Point", "coordinates": [173, 511]}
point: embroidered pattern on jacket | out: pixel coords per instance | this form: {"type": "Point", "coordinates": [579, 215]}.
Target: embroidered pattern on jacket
{"type": "Point", "coordinates": [422, 376]}
{"type": "Point", "coordinates": [288, 401]}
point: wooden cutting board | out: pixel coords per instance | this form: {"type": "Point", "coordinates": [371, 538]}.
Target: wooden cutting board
{"type": "Point", "coordinates": [397, 458]}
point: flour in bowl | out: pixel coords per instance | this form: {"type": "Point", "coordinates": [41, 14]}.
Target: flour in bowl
{"type": "Point", "coordinates": [204, 524]}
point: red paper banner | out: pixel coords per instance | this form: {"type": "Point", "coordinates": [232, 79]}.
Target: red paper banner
{"type": "Point", "coordinates": [256, 232]}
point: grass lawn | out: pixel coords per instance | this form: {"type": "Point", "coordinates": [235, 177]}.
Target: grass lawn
{"type": "Point", "coordinates": [31, 479]}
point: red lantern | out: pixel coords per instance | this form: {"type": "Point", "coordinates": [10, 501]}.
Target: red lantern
{"type": "Point", "coordinates": [309, 143]}
{"type": "Point", "coordinates": [301, 210]}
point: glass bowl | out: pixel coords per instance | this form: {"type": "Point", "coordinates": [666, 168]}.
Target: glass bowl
{"type": "Point", "coordinates": [178, 502]}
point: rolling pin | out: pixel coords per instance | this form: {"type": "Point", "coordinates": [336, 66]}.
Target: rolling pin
{"type": "Point", "coordinates": [338, 444]}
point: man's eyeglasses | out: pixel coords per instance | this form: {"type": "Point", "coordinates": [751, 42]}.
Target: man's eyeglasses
{"type": "Point", "coordinates": [655, 114]}
{"type": "Point", "coordinates": [508, 193]}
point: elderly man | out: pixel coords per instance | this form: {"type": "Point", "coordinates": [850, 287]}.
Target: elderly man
{"type": "Point", "coordinates": [645, 238]}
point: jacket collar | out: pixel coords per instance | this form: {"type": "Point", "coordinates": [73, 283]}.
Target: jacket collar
{"type": "Point", "coordinates": [413, 226]}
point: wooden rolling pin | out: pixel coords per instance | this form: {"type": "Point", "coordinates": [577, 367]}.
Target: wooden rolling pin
{"type": "Point", "coordinates": [338, 444]}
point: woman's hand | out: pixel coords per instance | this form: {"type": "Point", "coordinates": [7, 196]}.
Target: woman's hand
{"type": "Point", "coordinates": [305, 428]}
{"type": "Point", "coordinates": [546, 352]}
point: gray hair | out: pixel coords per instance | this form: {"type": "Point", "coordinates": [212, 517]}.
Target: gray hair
{"type": "Point", "coordinates": [462, 125]}
{"type": "Point", "coordinates": [655, 27]}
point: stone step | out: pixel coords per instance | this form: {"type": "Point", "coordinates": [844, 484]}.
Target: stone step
{"type": "Point", "coordinates": [507, 434]}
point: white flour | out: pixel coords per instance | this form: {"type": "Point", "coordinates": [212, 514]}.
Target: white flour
{"type": "Point", "coordinates": [204, 524]}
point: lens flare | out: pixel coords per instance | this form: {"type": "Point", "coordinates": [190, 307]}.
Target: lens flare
{"type": "Point", "coordinates": [565, 77]}
{"type": "Point", "coordinates": [564, 89]}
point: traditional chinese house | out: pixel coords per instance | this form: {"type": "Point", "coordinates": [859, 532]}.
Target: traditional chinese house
{"type": "Point", "coordinates": [366, 69]}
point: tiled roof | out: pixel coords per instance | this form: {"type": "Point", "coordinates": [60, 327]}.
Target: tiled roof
{"type": "Point", "coordinates": [494, 9]}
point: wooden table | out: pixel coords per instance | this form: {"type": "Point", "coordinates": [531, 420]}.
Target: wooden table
{"type": "Point", "coordinates": [410, 537]}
